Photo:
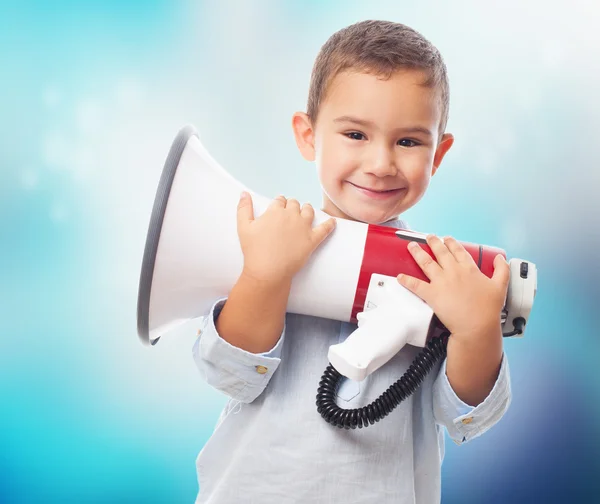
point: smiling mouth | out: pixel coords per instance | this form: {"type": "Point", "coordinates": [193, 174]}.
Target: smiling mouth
{"type": "Point", "coordinates": [378, 191]}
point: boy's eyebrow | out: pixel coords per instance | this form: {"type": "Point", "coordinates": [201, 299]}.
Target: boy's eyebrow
{"type": "Point", "coordinates": [364, 122]}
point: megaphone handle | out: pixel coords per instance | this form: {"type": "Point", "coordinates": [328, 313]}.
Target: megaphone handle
{"type": "Point", "coordinates": [396, 317]}
{"type": "Point", "coordinates": [379, 337]}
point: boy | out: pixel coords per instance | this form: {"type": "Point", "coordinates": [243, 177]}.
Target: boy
{"type": "Point", "coordinates": [377, 111]}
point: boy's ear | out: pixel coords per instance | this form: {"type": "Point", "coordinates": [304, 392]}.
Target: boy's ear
{"type": "Point", "coordinates": [304, 134]}
{"type": "Point", "coordinates": [443, 147]}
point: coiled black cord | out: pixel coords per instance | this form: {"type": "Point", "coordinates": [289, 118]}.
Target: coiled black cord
{"type": "Point", "coordinates": [386, 402]}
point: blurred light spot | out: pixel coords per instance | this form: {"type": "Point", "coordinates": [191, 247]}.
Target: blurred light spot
{"type": "Point", "coordinates": [89, 116]}
{"type": "Point", "coordinates": [51, 97]}
{"type": "Point", "coordinates": [74, 157]}
{"type": "Point", "coordinates": [83, 163]}
{"type": "Point", "coordinates": [58, 213]}
{"type": "Point", "coordinates": [55, 149]}
{"type": "Point", "coordinates": [29, 179]}
{"type": "Point", "coordinates": [129, 93]}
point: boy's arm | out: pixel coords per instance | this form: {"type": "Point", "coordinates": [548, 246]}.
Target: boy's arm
{"type": "Point", "coordinates": [239, 350]}
{"type": "Point", "coordinates": [463, 421]}
{"type": "Point", "coordinates": [239, 347]}
{"type": "Point", "coordinates": [469, 304]}
{"type": "Point", "coordinates": [254, 315]}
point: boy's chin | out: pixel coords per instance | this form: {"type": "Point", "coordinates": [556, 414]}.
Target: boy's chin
{"type": "Point", "coordinates": [359, 212]}
{"type": "Point", "coordinates": [371, 217]}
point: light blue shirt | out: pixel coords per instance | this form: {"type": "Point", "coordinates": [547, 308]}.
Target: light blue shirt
{"type": "Point", "coordinates": [271, 446]}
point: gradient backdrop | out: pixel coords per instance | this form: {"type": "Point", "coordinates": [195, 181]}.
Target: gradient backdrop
{"type": "Point", "coordinates": [91, 97]}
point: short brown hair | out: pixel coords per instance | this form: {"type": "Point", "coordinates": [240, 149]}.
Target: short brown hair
{"type": "Point", "coordinates": [381, 48]}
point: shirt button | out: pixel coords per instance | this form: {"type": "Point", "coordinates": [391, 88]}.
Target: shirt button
{"type": "Point", "coordinates": [467, 420]}
{"type": "Point", "coordinates": [261, 369]}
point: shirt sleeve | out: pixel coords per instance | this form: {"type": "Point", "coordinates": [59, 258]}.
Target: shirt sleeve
{"type": "Point", "coordinates": [464, 422]}
{"type": "Point", "coordinates": [237, 373]}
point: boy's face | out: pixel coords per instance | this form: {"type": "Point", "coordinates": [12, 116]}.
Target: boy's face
{"type": "Point", "coordinates": [375, 144]}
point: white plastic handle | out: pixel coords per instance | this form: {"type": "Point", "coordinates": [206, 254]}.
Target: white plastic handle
{"type": "Point", "coordinates": [394, 316]}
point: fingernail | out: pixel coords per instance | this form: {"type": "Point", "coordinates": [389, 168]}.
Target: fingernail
{"type": "Point", "coordinates": [243, 195]}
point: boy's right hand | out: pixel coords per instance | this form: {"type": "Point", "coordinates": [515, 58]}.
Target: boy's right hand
{"type": "Point", "coordinates": [278, 244]}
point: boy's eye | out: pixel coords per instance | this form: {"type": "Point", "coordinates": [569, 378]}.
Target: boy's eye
{"type": "Point", "coordinates": [354, 135]}
{"type": "Point", "coordinates": [412, 143]}
{"type": "Point", "coordinates": [405, 142]}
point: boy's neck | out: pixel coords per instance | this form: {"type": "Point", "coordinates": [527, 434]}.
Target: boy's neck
{"type": "Point", "coordinates": [389, 222]}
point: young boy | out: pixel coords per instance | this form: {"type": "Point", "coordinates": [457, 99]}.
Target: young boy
{"type": "Point", "coordinates": [377, 112]}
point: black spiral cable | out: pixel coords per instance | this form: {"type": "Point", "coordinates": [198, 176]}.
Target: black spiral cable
{"type": "Point", "coordinates": [386, 402]}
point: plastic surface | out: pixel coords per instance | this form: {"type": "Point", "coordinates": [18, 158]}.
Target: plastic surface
{"type": "Point", "coordinates": [394, 316]}
{"type": "Point", "coordinates": [520, 295]}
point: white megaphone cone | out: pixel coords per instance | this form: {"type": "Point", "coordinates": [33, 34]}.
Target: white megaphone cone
{"type": "Point", "coordinates": [193, 257]}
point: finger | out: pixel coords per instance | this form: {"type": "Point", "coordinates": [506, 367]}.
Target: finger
{"type": "Point", "coordinates": [293, 204]}
{"type": "Point", "coordinates": [245, 209]}
{"type": "Point", "coordinates": [501, 271]}
{"type": "Point", "coordinates": [278, 202]}
{"type": "Point", "coordinates": [308, 211]}
{"type": "Point", "coordinates": [443, 256]}
{"type": "Point", "coordinates": [414, 285]}
{"type": "Point", "coordinates": [424, 260]}
{"type": "Point", "coordinates": [458, 251]}
{"type": "Point", "coordinates": [323, 230]}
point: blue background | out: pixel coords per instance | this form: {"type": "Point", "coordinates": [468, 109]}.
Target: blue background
{"type": "Point", "coordinates": [91, 97]}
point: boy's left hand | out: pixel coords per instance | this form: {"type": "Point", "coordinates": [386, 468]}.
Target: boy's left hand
{"type": "Point", "coordinates": [464, 299]}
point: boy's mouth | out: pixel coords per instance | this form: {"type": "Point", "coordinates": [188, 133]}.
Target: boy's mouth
{"type": "Point", "coordinates": [377, 193]}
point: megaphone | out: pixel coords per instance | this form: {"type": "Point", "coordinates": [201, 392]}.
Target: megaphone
{"type": "Point", "coordinates": [192, 257]}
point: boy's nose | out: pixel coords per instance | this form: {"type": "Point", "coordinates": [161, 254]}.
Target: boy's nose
{"type": "Point", "coordinates": [382, 164]}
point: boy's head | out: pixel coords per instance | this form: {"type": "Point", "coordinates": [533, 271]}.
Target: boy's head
{"type": "Point", "coordinates": [377, 112]}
